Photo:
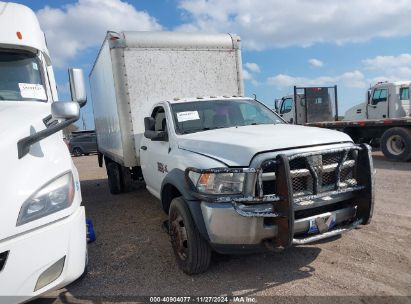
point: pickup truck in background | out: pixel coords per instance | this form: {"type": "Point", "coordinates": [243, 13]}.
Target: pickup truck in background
{"type": "Point", "coordinates": [383, 119]}
{"type": "Point", "coordinates": [230, 174]}
{"type": "Point", "coordinates": [42, 223]}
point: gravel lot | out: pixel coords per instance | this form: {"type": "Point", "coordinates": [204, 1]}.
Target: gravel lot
{"type": "Point", "coordinates": [132, 255]}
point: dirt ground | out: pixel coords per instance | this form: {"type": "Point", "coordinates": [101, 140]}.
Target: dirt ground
{"type": "Point", "coordinates": [132, 255]}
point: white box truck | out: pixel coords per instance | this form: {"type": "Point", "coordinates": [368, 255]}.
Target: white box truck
{"type": "Point", "coordinates": [230, 174]}
{"type": "Point", "coordinates": [42, 222]}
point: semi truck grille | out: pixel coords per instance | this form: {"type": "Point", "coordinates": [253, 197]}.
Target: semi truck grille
{"type": "Point", "coordinates": [3, 259]}
{"type": "Point", "coordinates": [313, 174]}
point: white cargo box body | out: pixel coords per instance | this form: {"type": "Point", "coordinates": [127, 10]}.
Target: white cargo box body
{"type": "Point", "coordinates": [135, 70]}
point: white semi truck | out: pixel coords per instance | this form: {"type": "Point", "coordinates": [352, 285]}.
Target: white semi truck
{"type": "Point", "coordinates": [230, 174]}
{"type": "Point", "coordinates": [383, 118]}
{"type": "Point", "coordinates": [42, 222]}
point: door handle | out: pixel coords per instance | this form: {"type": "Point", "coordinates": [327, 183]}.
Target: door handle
{"type": "Point", "coordinates": [143, 148]}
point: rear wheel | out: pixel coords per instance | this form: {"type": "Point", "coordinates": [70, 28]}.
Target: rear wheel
{"type": "Point", "coordinates": [77, 152]}
{"type": "Point", "coordinates": [192, 252]}
{"type": "Point", "coordinates": [114, 178]}
{"type": "Point", "coordinates": [396, 144]}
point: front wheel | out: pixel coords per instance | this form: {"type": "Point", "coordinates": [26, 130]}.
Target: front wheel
{"type": "Point", "coordinates": [396, 144]}
{"type": "Point", "coordinates": [192, 252]}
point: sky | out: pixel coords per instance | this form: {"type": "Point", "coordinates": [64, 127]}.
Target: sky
{"type": "Point", "coordinates": [352, 44]}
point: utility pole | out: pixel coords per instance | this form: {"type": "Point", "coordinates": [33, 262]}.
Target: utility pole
{"type": "Point", "coordinates": [84, 122]}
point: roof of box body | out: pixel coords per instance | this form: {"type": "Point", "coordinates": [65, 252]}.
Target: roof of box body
{"type": "Point", "coordinates": [134, 39]}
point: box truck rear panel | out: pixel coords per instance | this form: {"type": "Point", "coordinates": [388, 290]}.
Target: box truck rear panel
{"type": "Point", "coordinates": [104, 97]}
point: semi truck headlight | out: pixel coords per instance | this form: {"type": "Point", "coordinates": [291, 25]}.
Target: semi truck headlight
{"type": "Point", "coordinates": [56, 195]}
{"type": "Point", "coordinates": [218, 183]}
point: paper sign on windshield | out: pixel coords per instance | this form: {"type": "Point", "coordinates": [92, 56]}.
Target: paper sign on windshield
{"type": "Point", "coordinates": [32, 90]}
{"type": "Point", "coordinates": [188, 115]}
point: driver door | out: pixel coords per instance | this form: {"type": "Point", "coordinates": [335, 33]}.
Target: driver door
{"type": "Point", "coordinates": [154, 155]}
{"type": "Point", "coordinates": [287, 110]}
{"type": "Point", "coordinates": [378, 103]}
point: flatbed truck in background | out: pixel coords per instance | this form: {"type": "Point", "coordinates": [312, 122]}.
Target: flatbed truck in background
{"type": "Point", "coordinates": [383, 119]}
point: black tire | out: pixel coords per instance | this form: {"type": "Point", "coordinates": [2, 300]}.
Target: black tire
{"type": "Point", "coordinates": [192, 252]}
{"type": "Point", "coordinates": [114, 177]}
{"type": "Point", "coordinates": [126, 179]}
{"type": "Point", "coordinates": [396, 144]}
{"type": "Point", "coordinates": [77, 152]}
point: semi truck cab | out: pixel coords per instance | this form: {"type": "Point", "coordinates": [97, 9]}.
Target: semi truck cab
{"type": "Point", "coordinates": [42, 222]}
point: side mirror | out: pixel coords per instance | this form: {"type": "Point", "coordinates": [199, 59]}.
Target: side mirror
{"type": "Point", "coordinates": [77, 86]}
{"type": "Point", "coordinates": [149, 125]}
{"type": "Point", "coordinates": [276, 104]}
{"type": "Point", "coordinates": [65, 110]}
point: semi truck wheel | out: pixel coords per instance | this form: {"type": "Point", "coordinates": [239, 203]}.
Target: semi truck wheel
{"type": "Point", "coordinates": [396, 144]}
{"type": "Point", "coordinates": [114, 177]}
{"type": "Point", "coordinates": [192, 252]}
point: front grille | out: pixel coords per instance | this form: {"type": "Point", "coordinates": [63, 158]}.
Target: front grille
{"type": "Point", "coordinates": [313, 174]}
{"type": "Point", "coordinates": [3, 259]}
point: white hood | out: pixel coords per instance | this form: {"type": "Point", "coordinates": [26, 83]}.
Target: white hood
{"type": "Point", "coordinates": [236, 146]}
{"type": "Point", "coordinates": [20, 178]}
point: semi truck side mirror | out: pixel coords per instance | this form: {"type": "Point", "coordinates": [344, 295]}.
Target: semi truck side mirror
{"type": "Point", "coordinates": [150, 133]}
{"type": "Point", "coordinates": [68, 112]}
{"type": "Point", "coordinates": [65, 110]}
{"type": "Point", "coordinates": [77, 86]}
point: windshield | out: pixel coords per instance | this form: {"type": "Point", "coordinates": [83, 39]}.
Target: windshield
{"type": "Point", "coordinates": [198, 116]}
{"type": "Point", "coordinates": [20, 76]}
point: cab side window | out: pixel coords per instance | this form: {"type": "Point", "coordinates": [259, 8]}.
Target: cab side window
{"type": "Point", "coordinates": [286, 106]}
{"type": "Point", "coordinates": [404, 93]}
{"type": "Point", "coordinates": [160, 118]}
{"type": "Point", "coordinates": [379, 95]}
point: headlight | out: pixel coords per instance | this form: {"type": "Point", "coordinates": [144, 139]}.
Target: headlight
{"type": "Point", "coordinates": [218, 183]}
{"type": "Point", "coordinates": [57, 195]}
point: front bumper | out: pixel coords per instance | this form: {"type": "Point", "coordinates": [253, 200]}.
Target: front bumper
{"type": "Point", "coordinates": [284, 219]}
{"type": "Point", "coordinates": [31, 253]}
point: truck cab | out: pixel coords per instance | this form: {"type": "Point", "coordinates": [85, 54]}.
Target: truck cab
{"type": "Point", "coordinates": [42, 222]}
{"type": "Point", "coordinates": [307, 105]}
{"type": "Point", "coordinates": [233, 177]}
{"type": "Point", "coordinates": [383, 100]}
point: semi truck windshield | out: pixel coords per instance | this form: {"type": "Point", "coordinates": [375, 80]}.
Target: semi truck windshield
{"type": "Point", "coordinates": [20, 76]}
{"type": "Point", "coordinates": [199, 116]}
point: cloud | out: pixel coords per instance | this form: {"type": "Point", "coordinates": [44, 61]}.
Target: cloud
{"type": "Point", "coordinates": [316, 63]}
{"type": "Point", "coordinates": [390, 68]}
{"type": "Point", "coordinates": [278, 23]}
{"type": "Point", "coordinates": [83, 24]}
{"type": "Point", "coordinates": [247, 75]}
{"type": "Point", "coordinates": [253, 67]}
{"type": "Point", "coordinates": [354, 79]}
{"type": "Point", "coordinates": [249, 69]}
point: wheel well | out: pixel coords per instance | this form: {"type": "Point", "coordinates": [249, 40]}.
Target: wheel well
{"type": "Point", "coordinates": [168, 193]}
